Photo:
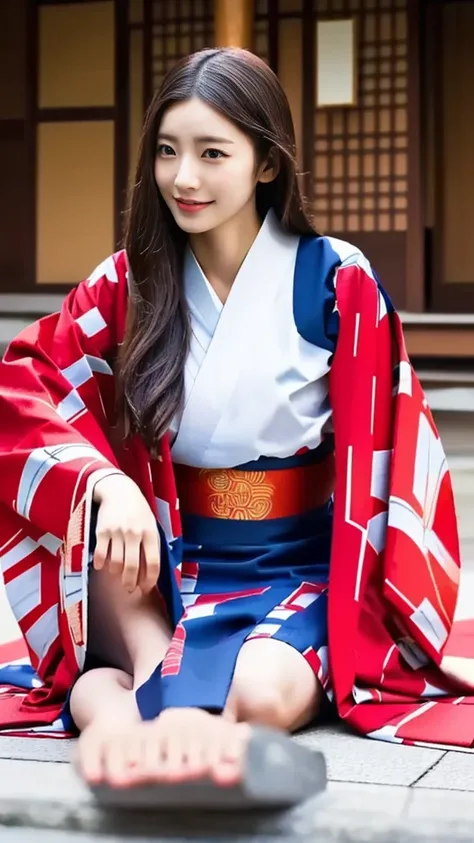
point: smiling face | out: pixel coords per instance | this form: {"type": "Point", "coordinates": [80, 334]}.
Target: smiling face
{"type": "Point", "coordinates": [205, 167]}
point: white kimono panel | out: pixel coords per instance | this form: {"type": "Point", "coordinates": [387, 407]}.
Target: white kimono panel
{"type": "Point", "coordinates": [253, 386]}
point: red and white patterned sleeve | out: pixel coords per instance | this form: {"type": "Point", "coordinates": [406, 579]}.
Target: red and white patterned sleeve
{"type": "Point", "coordinates": [57, 401]}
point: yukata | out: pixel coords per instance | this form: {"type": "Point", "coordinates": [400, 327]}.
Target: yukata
{"type": "Point", "coordinates": [303, 494]}
{"type": "Point", "coordinates": [253, 457]}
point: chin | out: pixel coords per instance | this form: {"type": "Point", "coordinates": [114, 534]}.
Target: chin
{"type": "Point", "coordinates": [194, 226]}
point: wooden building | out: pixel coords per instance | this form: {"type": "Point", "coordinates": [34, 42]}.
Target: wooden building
{"type": "Point", "coordinates": [392, 170]}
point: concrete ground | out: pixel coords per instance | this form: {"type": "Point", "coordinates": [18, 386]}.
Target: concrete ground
{"type": "Point", "coordinates": [376, 792]}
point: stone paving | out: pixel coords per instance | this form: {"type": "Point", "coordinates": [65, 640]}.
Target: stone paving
{"type": "Point", "coordinates": [48, 796]}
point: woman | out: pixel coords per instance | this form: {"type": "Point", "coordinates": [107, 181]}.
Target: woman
{"type": "Point", "coordinates": [202, 355]}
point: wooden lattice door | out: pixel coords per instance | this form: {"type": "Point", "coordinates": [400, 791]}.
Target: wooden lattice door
{"type": "Point", "coordinates": [180, 27]}
{"type": "Point", "coordinates": [360, 154]}
{"type": "Point", "coordinates": [448, 30]}
{"type": "Point", "coordinates": [356, 158]}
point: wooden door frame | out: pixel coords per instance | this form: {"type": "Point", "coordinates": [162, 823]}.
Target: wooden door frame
{"type": "Point", "coordinates": [415, 262]}
{"type": "Point", "coordinates": [35, 115]}
{"type": "Point", "coordinates": [448, 297]}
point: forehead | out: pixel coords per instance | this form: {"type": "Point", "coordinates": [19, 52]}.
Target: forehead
{"type": "Point", "coordinates": [194, 117]}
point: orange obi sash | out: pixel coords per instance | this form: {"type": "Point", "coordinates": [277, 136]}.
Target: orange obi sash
{"type": "Point", "coordinates": [251, 495]}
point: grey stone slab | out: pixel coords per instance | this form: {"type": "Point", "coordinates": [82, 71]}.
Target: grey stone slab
{"type": "Point", "coordinates": [38, 795]}
{"type": "Point", "coordinates": [454, 772]}
{"type": "Point", "coordinates": [9, 328]}
{"type": "Point", "coordinates": [351, 758]}
{"type": "Point", "coordinates": [440, 809]}
{"type": "Point", "coordinates": [36, 749]}
{"type": "Point", "coordinates": [40, 781]}
{"type": "Point", "coordinates": [50, 796]}
{"type": "Point", "coordinates": [465, 604]}
{"type": "Point", "coordinates": [451, 398]}
{"type": "Point", "coordinates": [23, 835]}
{"type": "Point", "coordinates": [349, 805]}
{"type": "Point", "coordinates": [37, 303]}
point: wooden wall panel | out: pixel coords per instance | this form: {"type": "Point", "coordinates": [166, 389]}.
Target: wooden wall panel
{"type": "Point", "coordinates": [15, 236]}
{"type": "Point", "coordinates": [14, 201]}
{"type": "Point", "coordinates": [13, 16]}
{"type": "Point", "coordinates": [76, 226]}
{"type": "Point", "coordinates": [76, 55]}
{"type": "Point", "coordinates": [458, 143]}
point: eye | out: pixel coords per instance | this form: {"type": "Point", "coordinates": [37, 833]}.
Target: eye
{"type": "Point", "coordinates": [164, 149]}
{"type": "Point", "coordinates": [214, 154]}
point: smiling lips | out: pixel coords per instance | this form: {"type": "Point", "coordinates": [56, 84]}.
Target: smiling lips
{"type": "Point", "coordinates": [190, 205]}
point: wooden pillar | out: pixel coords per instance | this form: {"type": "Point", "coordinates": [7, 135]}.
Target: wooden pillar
{"type": "Point", "coordinates": [415, 252]}
{"type": "Point", "coordinates": [233, 21]}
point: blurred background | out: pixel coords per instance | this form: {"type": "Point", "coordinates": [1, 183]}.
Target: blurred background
{"type": "Point", "coordinates": [382, 100]}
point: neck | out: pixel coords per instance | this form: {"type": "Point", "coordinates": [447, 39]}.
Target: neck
{"type": "Point", "coordinates": [221, 252]}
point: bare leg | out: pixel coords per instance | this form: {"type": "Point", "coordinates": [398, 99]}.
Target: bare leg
{"type": "Point", "coordinates": [129, 632]}
{"type": "Point", "coordinates": [273, 685]}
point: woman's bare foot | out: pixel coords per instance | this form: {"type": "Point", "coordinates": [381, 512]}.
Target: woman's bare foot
{"type": "Point", "coordinates": [182, 744]}
{"type": "Point", "coordinates": [104, 708]}
{"type": "Point", "coordinates": [100, 751]}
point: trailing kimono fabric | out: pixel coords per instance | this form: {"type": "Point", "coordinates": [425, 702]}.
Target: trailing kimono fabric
{"type": "Point", "coordinates": [400, 668]}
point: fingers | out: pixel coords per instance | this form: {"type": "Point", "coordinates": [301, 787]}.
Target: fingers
{"type": "Point", "coordinates": [131, 564]}
{"type": "Point", "coordinates": [128, 544]}
{"type": "Point", "coordinates": [151, 567]}
{"type": "Point", "coordinates": [101, 551]}
{"type": "Point", "coordinates": [136, 561]}
{"type": "Point", "coordinates": [116, 555]}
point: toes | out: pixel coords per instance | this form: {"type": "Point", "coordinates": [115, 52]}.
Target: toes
{"type": "Point", "coordinates": [228, 764]}
{"type": "Point", "coordinates": [195, 762]}
{"type": "Point", "coordinates": [115, 762]}
{"type": "Point", "coordinates": [151, 764]}
{"type": "Point", "coordinates": [157, 754]}
{"type": "Point", "coordinates": [88, 759]}
{"type": "Point", "coordinates": [171, 760]}
{"type": "Point", "coordinates": [227, 772]}
{"type": "Point", "coordinates": [135, 751]}
{"type": "Point", "coordinates": [175, 760]}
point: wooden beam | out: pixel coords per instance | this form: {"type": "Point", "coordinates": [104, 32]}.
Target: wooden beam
{"type": "Point", "coordinates": [122, 117]}
{"type": "Point", "coordinates": [233, 21]}
{"type": "Point", "coordinates": [308, 95]}
{"type": "Point", "coordinates": [454, 342]}
{"type": "Point", "coordinates": [415, 251]}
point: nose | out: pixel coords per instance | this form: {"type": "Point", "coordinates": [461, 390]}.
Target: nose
{"type": "Point", "coordinates": [187, 177]}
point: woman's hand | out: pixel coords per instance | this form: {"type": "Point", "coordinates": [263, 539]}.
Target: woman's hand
{"type": "Point", "coordinates": [128, 541]}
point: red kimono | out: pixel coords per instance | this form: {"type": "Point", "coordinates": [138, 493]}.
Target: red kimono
{"type": "Point", "coordinates": [400, 668]}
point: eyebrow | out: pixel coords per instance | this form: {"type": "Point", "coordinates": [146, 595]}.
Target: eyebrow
{"type": "Point", "coordinates": [201, 139]}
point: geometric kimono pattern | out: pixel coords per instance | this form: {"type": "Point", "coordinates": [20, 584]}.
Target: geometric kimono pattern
{"type": "Point", "coordinates": [400, 669]}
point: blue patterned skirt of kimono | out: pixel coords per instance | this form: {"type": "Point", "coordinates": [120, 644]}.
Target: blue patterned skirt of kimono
{"type": "Point", "coordinates": [256, 549]}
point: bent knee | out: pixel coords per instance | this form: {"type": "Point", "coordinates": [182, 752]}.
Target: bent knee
{"type": "Point", "coordinates": [274, 706]}
{"type": "Point", "coordinates": [263, 707]}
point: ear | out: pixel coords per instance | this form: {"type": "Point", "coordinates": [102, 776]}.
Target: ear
{"type": "Point", "coordinates": [269, 168]}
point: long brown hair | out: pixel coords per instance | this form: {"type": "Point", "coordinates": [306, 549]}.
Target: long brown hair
{"type": "Point", "coordinates": [151, 361]}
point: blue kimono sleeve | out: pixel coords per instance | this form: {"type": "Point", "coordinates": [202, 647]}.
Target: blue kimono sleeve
{"type": "Point", "coordinates": [314, 299]}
